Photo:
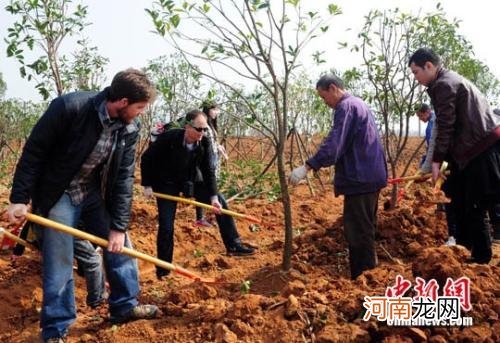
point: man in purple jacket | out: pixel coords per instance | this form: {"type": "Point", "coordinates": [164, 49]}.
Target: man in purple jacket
{"type": "Point", "coordinates": [353, 146]}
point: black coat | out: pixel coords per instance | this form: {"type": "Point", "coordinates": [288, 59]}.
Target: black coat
{"type": "Point", "coordinates": [58, 146]}
{"type": "Point", "coordinates": [167, 161]}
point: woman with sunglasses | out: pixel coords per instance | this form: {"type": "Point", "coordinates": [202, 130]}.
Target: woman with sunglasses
{"type": "Point", "coordinates": [169, 166]}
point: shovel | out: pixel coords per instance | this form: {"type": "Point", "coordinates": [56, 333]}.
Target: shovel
{"type": "Point", "coordinates": [125, 251]}
{"type": "Point", "coordinates": [440, 180]}
{"type": "Point", "coordinates": [249, 218]}
{"type": "Point", "coordinates": [16, 239]}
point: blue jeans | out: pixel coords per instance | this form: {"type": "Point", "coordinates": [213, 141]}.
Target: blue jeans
{"type": "Point", "coordinates": [91, 263]}
{"type": "Point", "coordinates": [58, 306]}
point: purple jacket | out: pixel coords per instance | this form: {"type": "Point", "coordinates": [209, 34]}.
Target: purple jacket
{"type": "Point", "coordinates": [353, 146]}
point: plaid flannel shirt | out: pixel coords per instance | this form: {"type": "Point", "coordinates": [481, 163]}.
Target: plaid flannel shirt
{"type": "Point", "coordinates": [79, 187]}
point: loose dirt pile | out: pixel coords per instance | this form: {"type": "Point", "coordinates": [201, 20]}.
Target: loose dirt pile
{"type": "Point", "coordinates": [315, 302]}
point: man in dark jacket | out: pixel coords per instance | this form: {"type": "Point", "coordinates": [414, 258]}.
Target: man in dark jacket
{"type": "Point", "coordinates": [353, 146]}
{"type": "Point", "coordinates": [78, 163]}
{"type": "Point", "coordinates": [468, 137]}
{"type": "Point", "coordinates": [170, 166]}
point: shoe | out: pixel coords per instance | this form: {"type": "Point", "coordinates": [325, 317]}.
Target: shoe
{"type": "Point", "coordinates": [478, 260]}
{"type": "Point", "coordinates": [202, 223]}
{"type": "Point", "coordinates": [240, 249]}
{"type": "Point", "coordinates": [136, 313]}
{"type": "Point", "coordinates": [496, 237]}
{"type": "Point", "coordinates": [451, 241]}
{"type": "Point", "coordinates": [162, 274]}
{"type": "Point", "coordinates": [55, 340]}
{"type": "Point", "coordinates": [103, 300]}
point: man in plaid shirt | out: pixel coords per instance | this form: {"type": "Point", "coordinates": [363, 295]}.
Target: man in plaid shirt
{"type": "Point", "coordinates": [78, 165]}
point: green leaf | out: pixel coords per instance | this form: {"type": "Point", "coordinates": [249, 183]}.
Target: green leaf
{"type": "Point", "coordinates": [175, 20]}
{"type": "Point", "coordinates": [245, 287]}
{"type": "Point", "coordinates": [198, 253]}
{"type": "Point", "coordinates": [334, 9]}
{"type": "Point", "coordinates": [205, 48]}
{"type": "Point", "coordinates": [254, 228]}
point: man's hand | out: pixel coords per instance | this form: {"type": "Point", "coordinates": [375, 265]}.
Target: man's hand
{"type": "Point", "coordinates": [116, 241]}
{"type": "Point", "coordinates": [297, 174]}
{"type": "Point", "coordinates": [148, 192]}
{"type": "Point", "coordinates": [216, 204]}
{"type": "Point", "coordinates": [17, 213]}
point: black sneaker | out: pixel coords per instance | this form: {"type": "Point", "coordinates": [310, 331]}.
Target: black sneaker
{"type": "Point", "coordinates": [136, 313]}
{"type": "Point", "coordinates": [55, 340]}
{"type": "Point", "coordinates": [161, 274]}
{"type": "Point", "coordinates": [240, 249]}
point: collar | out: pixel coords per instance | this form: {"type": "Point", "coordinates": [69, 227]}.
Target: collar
{"type": "Point", "coordinates": [342, 98]}
{"type": "Point", "coordinates": [100, 106]}
{"type": "Point", "coordinates": [439, 73]}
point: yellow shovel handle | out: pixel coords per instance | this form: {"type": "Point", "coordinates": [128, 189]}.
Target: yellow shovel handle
{"type": "Point", "coordinates": [440, 180]}
{"type": "Point", "coordinates": [206, 206]}
{"type": "Point", "coordinates": [104, 243]}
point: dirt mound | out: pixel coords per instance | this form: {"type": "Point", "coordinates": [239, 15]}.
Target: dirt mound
{"type": "Point", "coordinates": [439, 263]}
{"type": "Point", "coordinates": [314, 302]}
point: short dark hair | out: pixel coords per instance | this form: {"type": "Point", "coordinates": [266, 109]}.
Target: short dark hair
{"type": "Point", "coordinates": [423, 108]}
{"type": "Point", "coordinates": [326, 80]}
{"type": "Point", "coordinates": [193, 114]}
{"type": "Point", "coordinates": [423, 55]}
{"type": "Point", "coordinates": [132, 84]}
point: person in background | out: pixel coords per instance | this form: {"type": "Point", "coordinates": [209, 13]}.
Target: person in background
{"type": "Point", "coordinates": [81, 154]}
{"type": "Point", "coordinates": [353, 146]}
{"type": "Point", "coordinates": [211, 110]}
{"type": "Point", "coordinates": [426, 115]}
{"type": "Point", "coordinates": [468, 137]}
{"type": "Point", "coordinates": [169, 166]}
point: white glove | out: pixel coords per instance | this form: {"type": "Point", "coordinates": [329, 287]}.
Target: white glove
{"type": "Point", "coordinates": [214, 200]}
{"type": "Point", "coordinates": [297, 174]}
{"type": "Point", "coordinates": [148, 192]}
{"type": "Point", "coordinates": [17, 213]}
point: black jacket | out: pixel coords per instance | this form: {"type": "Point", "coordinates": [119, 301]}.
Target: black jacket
{"type": "Point", "coordinates": [466, 124]}
{"type": "Point", "coordinates": [167, 161]}
{"type": "Point", "coordinates": [58, 146]}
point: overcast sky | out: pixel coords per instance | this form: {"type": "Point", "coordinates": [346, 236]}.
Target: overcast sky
{"type": "Point", "coordinates": [122, 32]}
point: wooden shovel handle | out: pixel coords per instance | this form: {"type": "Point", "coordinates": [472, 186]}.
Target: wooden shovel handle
{"type": "Point", "coordinates": [104, 243]}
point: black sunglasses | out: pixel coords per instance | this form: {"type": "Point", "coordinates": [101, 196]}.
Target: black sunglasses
{"type": "Point", "coordinates": [200, 129]}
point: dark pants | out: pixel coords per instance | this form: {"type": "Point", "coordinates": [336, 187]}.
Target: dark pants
{"type": "Point", "coordinates": [166, 219]}
{"type": "Point", "coordinates": [360, 223]}
{"type": "Point", "coordinates": [451, 218]}
{"type": "Point", "coordinates": [474, 190]}
{"type": "Point", "coordinates": [494, 214]}
{"type": "Point", "coordinates": [473, 232]}
{"type": "Point", "coordinates": [199, 213]}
